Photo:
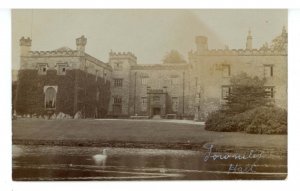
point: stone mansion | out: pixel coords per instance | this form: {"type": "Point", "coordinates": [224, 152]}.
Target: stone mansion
{"type": "Point", "coordinates": [68, 81]}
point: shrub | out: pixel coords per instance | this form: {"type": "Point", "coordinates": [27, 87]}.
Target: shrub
{"type": "Point", "coordinates": [262, 120]}
{"type": "Point", "coordinates": [268, 120]}
{"type": "Point", "coordinates": [220, 121]}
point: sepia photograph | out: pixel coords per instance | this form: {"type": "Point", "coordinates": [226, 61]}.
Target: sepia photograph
{"type": "Point", "coordinates": [149, 94]}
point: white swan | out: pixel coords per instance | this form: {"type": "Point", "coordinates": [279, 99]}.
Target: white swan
{"type": "Point", "coordinates": [100, 159]}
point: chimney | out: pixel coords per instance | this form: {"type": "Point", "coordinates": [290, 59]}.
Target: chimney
{"type": "Point", "coordinates": [249, 41]}
{"type": "Point", "coordinates": [80, 43]}
{"type": "Point", "coordinates": [201, 43]}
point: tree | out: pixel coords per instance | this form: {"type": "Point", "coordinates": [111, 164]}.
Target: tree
{"type": "Point", "coordinates": [280, 42]}
{"type": "Point", "coordinates": [248, 108]}
{"type": "Point", "coordinates": [246, 93]}
{"type": "Point", "coordinates": [173, 57]}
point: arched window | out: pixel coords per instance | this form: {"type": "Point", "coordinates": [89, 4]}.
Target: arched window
{"type": "Point", "coordinates": [50, 98]}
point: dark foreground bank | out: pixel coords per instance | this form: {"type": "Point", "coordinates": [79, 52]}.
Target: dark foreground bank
{"type": "Point", "coordinates": [142, 150]}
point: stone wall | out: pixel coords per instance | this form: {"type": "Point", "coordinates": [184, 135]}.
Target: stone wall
{"type": "Point", "coordinates": [88, 84]}
{"type": "Point", "coordinates": [209, 72]}
{"type": "Point", "coordinates": [169, 78]}
{"type": "Point", "coordinates": [121, 65]}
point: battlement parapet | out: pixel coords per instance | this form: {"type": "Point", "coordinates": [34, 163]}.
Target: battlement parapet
{"type": "Point", "coordinates": [128, 55]}
{"type": "Point", "coordinates": [53, 53]}
{"type": "Point", "coordinates": [25, 41]}
{"type": "Point", "coordinates": [160, 67]}
{"type": "Point", "coordinates": [238, 52]}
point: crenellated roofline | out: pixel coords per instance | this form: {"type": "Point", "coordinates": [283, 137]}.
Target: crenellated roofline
{"type": "Point", "coordinates": [160, 66]}
{"type": "Point", "coordinates": [238, 52]}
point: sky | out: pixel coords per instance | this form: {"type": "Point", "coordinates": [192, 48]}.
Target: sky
{"type": "Point", "coordinates": [149, 34]}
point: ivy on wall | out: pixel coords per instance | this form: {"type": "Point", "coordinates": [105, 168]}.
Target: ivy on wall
{"type": "Point", "coordinates": [30, 95]}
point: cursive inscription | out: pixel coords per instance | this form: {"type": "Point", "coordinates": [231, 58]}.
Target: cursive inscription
{"type": "Point", "coordinates": [242, 168]}
{"type": "Point", "coordinates": [252, 156]}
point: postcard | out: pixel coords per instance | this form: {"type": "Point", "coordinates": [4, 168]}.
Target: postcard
{"type": "Point", "coordinates": [149, 94]}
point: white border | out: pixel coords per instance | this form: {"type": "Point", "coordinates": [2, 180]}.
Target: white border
{"type": "Point", "coordinates": [293, 98]}
{"type": "Point", "coordinates": [151, 4]}
{"type": "Point", "coordinates": [5, 103]}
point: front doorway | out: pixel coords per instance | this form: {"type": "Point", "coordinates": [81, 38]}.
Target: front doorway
{"type": "Point", "coordinates": [156, 111]}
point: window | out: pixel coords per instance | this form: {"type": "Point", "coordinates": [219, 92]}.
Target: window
{"type": "Point", "coordinates": [118, 66]}
{"type": "Point", "coordinates": [117, 109]}
{"type": "Point", "coordinates": [50, 97]}
{"type": "Point", "coordinates": [156, 98]}
{"type": "Point", "coordinates": [144, 80]}
{"type": "Point", "coordinates": [118, 82]}
{"type": "Point", "coordinates": [42, 69]}
{"type": "Point", "coordinates": [175, 104]}
{"type": "Point", "coordinates": [117, 105]}
{"type": "Point", "coordinates": [226, 90]}
{"type": "Point", "coordinates": [144, 103]}
{"type": "Point", "coordinates": [198, 97]}
{"type": "Point", "coordinates": [144, 100]}
{"type": "Point", "coordinates": [270, 92]}
{"type": "Point", "coordinates": [268, 71]}
{"type": "Point", "coordinates": [61, 69]}
{"type": "Point", "coordinates": [117, 100]}
{"type": "Point", "coordinates": [226, 71]}
{"type": "Point", "coordinates": [157, 84]}
{"type": "Point", "coordinates": [174, 80]}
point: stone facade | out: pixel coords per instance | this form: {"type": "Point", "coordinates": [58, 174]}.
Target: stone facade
{"type": "Point", "coordinates": [76, 82]}
{"type": "Point", "coordinates": [212, 70]}
{"type": "Point", "coordinates": [160, 89]}
{"type": "Point", "coordinates": [122, 83]}
{"type": "Point", "coordinates": [194, 89]}
{"type": "Point", "coordinates": [124, 88]}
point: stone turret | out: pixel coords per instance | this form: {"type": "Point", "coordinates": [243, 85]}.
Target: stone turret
{"type": "Point", "coordinates": [121, 63]}
{"type": "Point", "coordinates": [25, 45]}
{"type": "Point", "coordinates": [80, 43]}
{"type": "Point", "coordinates": [201, 43]}
{"type": "Point", "coordinates": [249, 41]}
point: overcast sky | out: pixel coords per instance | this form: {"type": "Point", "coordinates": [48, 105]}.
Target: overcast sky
{"type": "Point", "coordinates": [149, 34]}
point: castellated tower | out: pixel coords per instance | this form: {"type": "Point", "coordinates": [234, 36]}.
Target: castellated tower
{"type": "Point", "coordinates": [25, 45]}
{"type": "Point", "coordinates": [201, 43]}
{"type": "Point", "coordinates": [249, 41]}
{"type": "Point", "coordinates": [80, 43]}
{"type": "Point", "coordinates": [121, 64]}
{"type": "Point", "coordinates": [25, 48]}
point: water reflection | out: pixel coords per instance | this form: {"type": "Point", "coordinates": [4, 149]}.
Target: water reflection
{"type": "Point", "coordinates": [93, 163]}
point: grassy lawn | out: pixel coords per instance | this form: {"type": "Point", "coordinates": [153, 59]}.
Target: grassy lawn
{"type": "Point", "coordinates": [137, 131]}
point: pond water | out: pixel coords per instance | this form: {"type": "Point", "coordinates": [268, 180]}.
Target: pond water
{"type": "Point", "coordinates": [90, 163]}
